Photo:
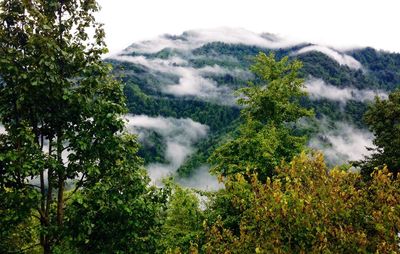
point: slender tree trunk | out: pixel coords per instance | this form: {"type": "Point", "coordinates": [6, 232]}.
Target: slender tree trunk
{"type": "Point", "coordinates": [46, 243]}
{"type": "Point", "coordinates": [47, 248]}
{"type": "Point", "coordinates": [60, 202]}
{"type": "Point", "coordinates": [61, 175]}
{"type": "Point", "coordinates": [61, 181]}
{"type": "Point", "coordinates": [43, 198]}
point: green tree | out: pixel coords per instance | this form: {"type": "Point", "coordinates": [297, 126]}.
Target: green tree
{"type": "Point", "coordinates": [119, 213]}
{"type": "Point", "coordinates": [382, 119]}
{"type": "Point", "coordinates": [271, 107]}
{"type": "Point", "coordinates": [182, 230]}
{"type": "Point", "coordinates": [62, 114]}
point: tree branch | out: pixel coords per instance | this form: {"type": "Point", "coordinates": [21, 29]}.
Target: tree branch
{"type": "Point", "coordinates": [77, 186]}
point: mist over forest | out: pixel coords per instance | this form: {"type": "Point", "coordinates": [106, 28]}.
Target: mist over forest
{"type": "Point", "coordinates": [194, 76]}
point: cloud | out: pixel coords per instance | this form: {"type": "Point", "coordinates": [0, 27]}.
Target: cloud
{"type": "Point", "coordinates": [191, 83]}
{"type": "Point", "coordinates": [179, 134]}
{"type": "Point", "coordinates": [318, 89]}
{"type": "Point", "coordinates": [196, 38]}
{"type": "Point", "coordinates": [196, 82]}
{"type": "Point", "coordinates": [160, 43]}
{"type": "Point", "coordinates": [157, 64]}
{"type": "Point", "coordinates": [339, 57]}
{"type": "Point", "coordinates": [239, 36]}
{"type": "Point", "coordinates": [215, 69]}
{"type": "Point", "coordinates": [191, 80]}
{"type": "Point", "coordinates": [342, 142]}
{"type": "Point", "coordinates": [202, 180]}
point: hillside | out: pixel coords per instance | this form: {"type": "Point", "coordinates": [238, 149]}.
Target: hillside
{"type": "Point", "coordinates": [180, 92]}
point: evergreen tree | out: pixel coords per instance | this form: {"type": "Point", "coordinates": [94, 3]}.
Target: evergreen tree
{"type": "Point", "coordinates": [383, 119]}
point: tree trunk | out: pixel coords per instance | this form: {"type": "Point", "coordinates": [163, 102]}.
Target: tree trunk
{"type": "Point", "coordinates": [60, 201]}
{"type": "Point", "coordinates": [46, 247]}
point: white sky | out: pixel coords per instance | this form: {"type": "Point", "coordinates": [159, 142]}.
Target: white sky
{"type": "Point", "coordinates": [340, 23]}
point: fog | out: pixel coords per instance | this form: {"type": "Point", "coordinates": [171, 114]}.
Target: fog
{"type": "Point", "coordinates": [341, 142]}
{"type": "Point", "coordinates": [192, 81]}
{"type": "Point", "coordinates": [339, 57]}
{"type": "Point", "coordinates": [196, 38]}
{"type": "Point", "coordinates": [318, 89]}
{"type": "Point", "coordinates": [195, 82]}
{"type": "Point", "coordinates": [201, 179]}
{"type": "Point", "coordinates": [193, 39]}
{"type": "Point", "coordinates": [179, 135]}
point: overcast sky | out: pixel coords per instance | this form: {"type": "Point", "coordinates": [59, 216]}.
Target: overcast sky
{"type": "Point", "coordinates": [340, 23]}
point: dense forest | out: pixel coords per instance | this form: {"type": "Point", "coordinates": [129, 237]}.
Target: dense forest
{"type": "Point", "coordinates": [73, 177]}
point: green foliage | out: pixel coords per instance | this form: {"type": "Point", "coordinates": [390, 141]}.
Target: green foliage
{"type": "Point", "coordinates": [182, 229]}
{"type": "Point", "coordinates": [206, 147]}
{"type": "Point", "coordinates": [319, 65]}
{"type": "Point", "coordinates": [118, 214]}
{"type": "Point", "coordinates": [277, 98]}
{"type": "Point", "coordinates": [221, 119]}
{"type": "Point", "coordinates": [383, 66]}
{"type": "Point", "coordinates": [62, 111]}
{"type": "Point", "coordinates": [305, 208]}
{"type": "Point", "coordinates": [382, 119]}
{"type": "Point", "coordinates": [215, 116]}
{"type": "Point", "coordinates": [266, 137]}
{"type": "Point", "coordinates": [18, 229]}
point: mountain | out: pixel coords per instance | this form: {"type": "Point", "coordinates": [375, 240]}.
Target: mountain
{"type": "Point", "coordinates": [180, 93]}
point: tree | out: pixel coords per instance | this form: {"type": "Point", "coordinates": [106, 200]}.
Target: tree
{"type": "Point", "coordinates": [307, 208]}
{"type": "Point", "coordinates": [118, 214]}
{"type": "Point", "coordinates": [62, 111]}
{"type": "Point", "coordinates": [182, 230]}
{"type": "Point", "coordinates": [382, 119]}
{"type": "Point", "coordinates": [271, 106]}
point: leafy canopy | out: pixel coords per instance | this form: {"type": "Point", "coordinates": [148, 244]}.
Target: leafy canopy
{"type": "Point", "coordinates": [307, 208]}
{"type": "Point", "coordinates": [65, 142]}
{"type": "Point", "coordinates": [271, 107]}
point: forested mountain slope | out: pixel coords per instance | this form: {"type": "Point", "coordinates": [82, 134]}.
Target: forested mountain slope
{"type": "Point", "coordinates": [180, 92]}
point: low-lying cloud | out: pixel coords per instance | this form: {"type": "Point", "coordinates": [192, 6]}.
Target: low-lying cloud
{"type": "Point", "coordinates": [192, 81]}
{"type": "Point", "coordinates": [318, 89]}
{"type": "Point", "coordinates": [196, 38]}
{"type": "Point", "coordinates": [179, 135]}
{"type": "Point", "coordinates": [202, 180]}
{"type": "Point", "coordinates": [342, 142]}
{"type": "Point", "coordinates": [339, 57]}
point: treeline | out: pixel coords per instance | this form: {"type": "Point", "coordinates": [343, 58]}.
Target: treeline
{"type": "Point", "coordinates": [71, 180]}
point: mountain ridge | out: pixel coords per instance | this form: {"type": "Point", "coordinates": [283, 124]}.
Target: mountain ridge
{"type": "Point", "coordinates": [194, 76]}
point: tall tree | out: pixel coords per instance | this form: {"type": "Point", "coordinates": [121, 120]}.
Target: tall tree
{"type": "Point", "coordinates": [182, 229]}
{"type": "Point", "coordinates": [383, 119]}
{"type": "Point", "coordinates": [271, 107]}
{"type": "Point", "coordinates": [61, 112]}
